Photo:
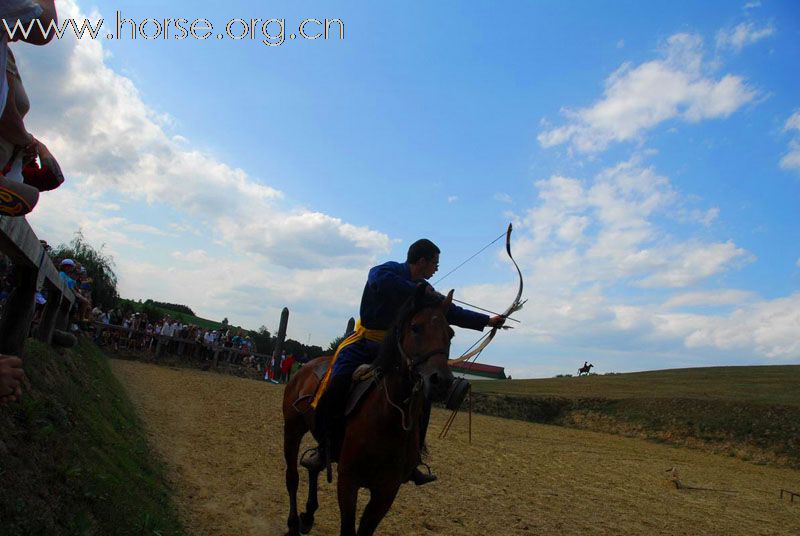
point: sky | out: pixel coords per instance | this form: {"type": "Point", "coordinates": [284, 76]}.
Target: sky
{"type": "Point", "coordinates": [648, 155]}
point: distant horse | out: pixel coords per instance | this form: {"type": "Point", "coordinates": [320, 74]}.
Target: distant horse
{"type": "Point", "coordinates": [585, 369]}
{"type": "Point", "coordinates": [381, 447]}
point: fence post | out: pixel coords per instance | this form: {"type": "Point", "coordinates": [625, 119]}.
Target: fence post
{"type": "Point", "coordinates": [276, 353]}
{"type": "Point", "coordinates": [16, 322]}
{"type": "Point", "coordinates": [62, 317]}
{"type": "Point", "coordinates": [49, 316]}
{"type": "Point", "coordinates": [351, 327]}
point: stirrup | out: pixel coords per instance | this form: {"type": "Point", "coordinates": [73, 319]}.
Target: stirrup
{"type": "Point", "coordinates": [419, 478]}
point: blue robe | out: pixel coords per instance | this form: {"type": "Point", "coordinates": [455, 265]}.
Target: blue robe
{"type": "Point", "coordinates": [388, 287]}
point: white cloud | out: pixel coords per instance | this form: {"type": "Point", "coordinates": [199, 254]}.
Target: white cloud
{"type": "Point", "coordinates": [742, 35]}
{"type": "Point", "coordinates": [144, 228]}
{"type": "Point", "coordinates": [503, 198]}
{"type": "Point", "coordinates": [768, 327]}
{"type": "Point", "coordinates": [603, 271]}
{"type": "Point", "coordinates": [709, 298]}
{"type": "Point", "coordinates": [705, 217]}
{"type": "Point", "coordinates": [752, 5]}
{"type": "Point", "coordinates": [793, 123]}
{"type": "Point", "coordinates": [791, 160]}
{"type": "Point", "coordinates": [194, 256]}
{"type": "Point", "coordinates": [125, 147]}
{"type": "Point", "coordinates": [244, 261]}
{"type": "Point", "coordinates": [452, 199]}
{"type": "Point", "coordinates": [636, 99]}
{"type": "Point", "coordinates": [605, 231]}
{"type": "Point", "coordinates": [688, 264]}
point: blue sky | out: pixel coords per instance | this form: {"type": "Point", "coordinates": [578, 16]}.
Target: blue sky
{"type": "Point", "coordinates": [648, 155]}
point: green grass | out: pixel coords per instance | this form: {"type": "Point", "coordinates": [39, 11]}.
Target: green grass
{"type": "Point", "coordinates": [764, 384]}
{"type": "Point", "coordinates": [750, 412]}
{"type": "Point", "coordinates": [74, 457]}
{"type": "Point", "coordinates": [185, 318]}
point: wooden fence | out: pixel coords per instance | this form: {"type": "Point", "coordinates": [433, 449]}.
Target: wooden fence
{"type": "Point", "coordinates": [33, 270]}
{"type": "Point", "coordinates": [177, 345]}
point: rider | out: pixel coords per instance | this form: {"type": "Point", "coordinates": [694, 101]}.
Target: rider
{"type": "Point", "coordinates": [388, 286]}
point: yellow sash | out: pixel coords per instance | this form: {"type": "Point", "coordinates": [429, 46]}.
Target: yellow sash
{"type": "Point", "coordinates": [359, 333]}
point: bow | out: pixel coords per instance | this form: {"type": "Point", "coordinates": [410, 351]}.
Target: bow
{"type": "Point", "coordinates": [514, 307]}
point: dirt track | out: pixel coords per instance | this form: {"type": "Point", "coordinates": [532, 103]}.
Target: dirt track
{"type": "Point", "coordinates": [221, 438]}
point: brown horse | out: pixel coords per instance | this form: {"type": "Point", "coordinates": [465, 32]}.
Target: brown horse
{"type": "Point", "coordinates": [381, 446]}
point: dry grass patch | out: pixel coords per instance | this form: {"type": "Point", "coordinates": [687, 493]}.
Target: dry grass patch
{"type": "Point", "coordinates": [222, 437]}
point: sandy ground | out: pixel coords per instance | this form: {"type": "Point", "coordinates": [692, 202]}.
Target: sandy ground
{"type": "Point", "coordinates": [221, 438]}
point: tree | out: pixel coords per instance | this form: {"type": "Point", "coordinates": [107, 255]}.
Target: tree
{"type": "Point", "coordinates": [262, 339]}
{"type": "Point", "coordinates": [99, 266]}
{"type": "Point", "coordinates": [334, 344]}
{"type": "Point", "coordinates": [225, 322]}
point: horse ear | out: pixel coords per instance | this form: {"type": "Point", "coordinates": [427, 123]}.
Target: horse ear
{"type": "Point", "coordinates": [448, 301]}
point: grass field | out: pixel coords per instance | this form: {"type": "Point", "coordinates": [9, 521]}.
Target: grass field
{"type": "Point", "coordinates": [763, 385]}
{"type": "Point", "coordinates": [749, 412]}
{"type": "Point", "coordinates": [73, 456]}
{"type": "Point", "coordinates": [222, 439]}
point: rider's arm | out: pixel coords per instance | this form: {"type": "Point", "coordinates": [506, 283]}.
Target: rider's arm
{"type": "Point", "coordinates": [464, 318]}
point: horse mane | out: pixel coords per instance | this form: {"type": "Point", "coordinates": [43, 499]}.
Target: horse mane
{"type": "Point", "coordinates": [389, 355]}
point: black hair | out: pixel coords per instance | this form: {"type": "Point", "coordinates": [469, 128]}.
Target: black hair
{"type": "Point", "coordinates": [421, 249]}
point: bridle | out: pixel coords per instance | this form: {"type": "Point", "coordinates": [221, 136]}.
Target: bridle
{"type": "Point", "coordinates": [414, 361]}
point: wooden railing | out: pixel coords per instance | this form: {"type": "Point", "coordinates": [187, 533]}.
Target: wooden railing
{"type": "Point", "coordinates": [182, 347]}
{"type": "Point", "coordinates": [33, 270]}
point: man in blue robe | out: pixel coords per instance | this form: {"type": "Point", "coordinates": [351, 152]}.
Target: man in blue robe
{"type": "Point", "coordinates": [388, 287]}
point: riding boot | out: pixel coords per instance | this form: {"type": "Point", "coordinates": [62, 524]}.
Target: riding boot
{"type": "Point", "coordinates": [417, 476]}
{"type": "Point", "coordinates": [328, 424]}
{"type": "Point", "coordinates": [317, 458]}
{"type": "Point", "coordinates": [339, 393]}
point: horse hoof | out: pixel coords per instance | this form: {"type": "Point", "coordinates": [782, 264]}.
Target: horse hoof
{"type": "Point", "coordinates": [306, 523]}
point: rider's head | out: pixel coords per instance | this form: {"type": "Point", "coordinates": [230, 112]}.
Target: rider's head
{"type": "Point", "coordinates": [423, 259]}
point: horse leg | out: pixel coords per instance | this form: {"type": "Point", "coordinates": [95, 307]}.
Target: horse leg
{"type": "Point", "coordinates": [291, 445]}
{"type": "Point", "coordinates": [307, 517]}
{"type": "Point", "coordinates": [347, 493]}
{"type": "Point", "coordinates": [380, 500]}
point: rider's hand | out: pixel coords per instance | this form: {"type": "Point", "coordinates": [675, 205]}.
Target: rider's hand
{"type": "Point", "coordinates": [497, 321]}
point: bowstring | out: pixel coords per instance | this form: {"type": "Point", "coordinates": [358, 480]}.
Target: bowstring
{"type": "Point", "coordinates": [466, 261]}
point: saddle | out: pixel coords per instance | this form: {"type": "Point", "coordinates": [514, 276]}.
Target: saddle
{"type": "Point", "coordinates": [364, 378]}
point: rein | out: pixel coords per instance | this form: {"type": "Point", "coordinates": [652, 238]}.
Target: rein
{"type": "Point", "coordinates": [411, 364]}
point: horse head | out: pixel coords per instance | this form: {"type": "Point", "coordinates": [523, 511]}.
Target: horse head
{"type": "Point", "coordinates": [424, 342]}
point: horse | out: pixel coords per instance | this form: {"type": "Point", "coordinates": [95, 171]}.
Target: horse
{"type": "Point", "coordinates": [381, 446]}
{"type": "Point", "coordinates": [585, 369]}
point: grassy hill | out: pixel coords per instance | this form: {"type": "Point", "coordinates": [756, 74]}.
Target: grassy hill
{"type": "Point", "coordinates": [73, 456]}
{"type": "Point", "coordinates": [185, 318]}
{"type": "Point", "coordinates": [765, 384]}
{"type": "Point", "coordinates": [749, 412]}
